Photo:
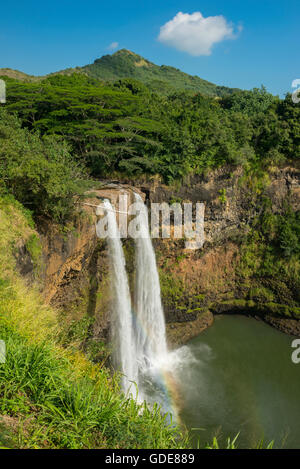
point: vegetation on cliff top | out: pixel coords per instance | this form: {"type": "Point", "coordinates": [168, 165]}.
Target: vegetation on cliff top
{"type": "Point", "coordinates": [124, 129]}
{"type": "Point", "coordinates": [38, 171]}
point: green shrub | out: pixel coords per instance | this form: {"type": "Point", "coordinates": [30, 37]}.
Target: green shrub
{"type": "Point", "coordinates": [38, 171]}
{"type": "Point", "coordinates": [34, 247]}
{"type": "Point", "coordinates": [126, 129]}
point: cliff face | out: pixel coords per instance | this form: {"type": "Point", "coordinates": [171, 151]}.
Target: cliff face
{"type": "Point", "coordinates": [75, 276]}
{"type": "Point", "coordinates": [195, 284]}
{"type": "Point", "coordinates": [231, 198]}
{"type": "Point", "coordinates": [214, 278]}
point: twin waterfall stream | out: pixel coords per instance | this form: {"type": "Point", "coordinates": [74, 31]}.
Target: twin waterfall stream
{"type": "Point", "coordinates": [138, 325]}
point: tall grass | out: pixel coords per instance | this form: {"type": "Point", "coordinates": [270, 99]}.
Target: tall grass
{"type": "Point", "coordinates": [60, 410]}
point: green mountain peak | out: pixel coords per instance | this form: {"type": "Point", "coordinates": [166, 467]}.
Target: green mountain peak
{"type": "Point", "coordinates": [162, 78]}
{"type": "Point", "coordinates": [124, 63]}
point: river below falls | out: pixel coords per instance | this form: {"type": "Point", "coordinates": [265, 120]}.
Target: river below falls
{"type": "Point", "coordinates": [239, 377]}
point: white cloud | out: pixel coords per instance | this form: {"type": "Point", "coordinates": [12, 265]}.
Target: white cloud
{"type": "Point", "coordinates": [195, 34]}
{"type": "Point", "coordinates": [113, 46]}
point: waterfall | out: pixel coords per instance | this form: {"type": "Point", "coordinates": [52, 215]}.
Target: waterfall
{"type": "Point", "coordinates": [150, 329]}
{"type": "Point", "coordinates": [139, 336]}
{"type": "Point", "coordinates": [122, 324]}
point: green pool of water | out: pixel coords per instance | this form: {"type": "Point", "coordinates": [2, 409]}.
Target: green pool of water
{"type": "Point", "coordinates": [241, 379]}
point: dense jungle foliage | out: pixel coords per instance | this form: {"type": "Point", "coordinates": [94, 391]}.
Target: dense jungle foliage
{"type": "Point", "coordinates": [56, 132]}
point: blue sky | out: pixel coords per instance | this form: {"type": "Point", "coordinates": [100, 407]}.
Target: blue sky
{"type": "Point", "coordinates": [258, 42]}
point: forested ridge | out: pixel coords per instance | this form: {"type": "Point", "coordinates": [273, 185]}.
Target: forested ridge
{"type": "Point", "coordinates": [162, 79]}
{"type": "Point", "coordinates": [126, 64]}
{"type": "Point", "coordinates": [125, 129]}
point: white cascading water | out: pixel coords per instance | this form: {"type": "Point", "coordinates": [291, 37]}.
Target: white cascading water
{"type": "Point", "coordinates": [122, 323]}
{"type": "Point", "coordinates": [150, 330]}
{"type": "Point", "coordinates": [139, 336]}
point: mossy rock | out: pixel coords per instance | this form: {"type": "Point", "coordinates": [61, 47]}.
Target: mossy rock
{"type": "Point", "coordinates": [250, 306]}
{"type": "Point", "coordinates": [261, 294]}
{"type": "Point", "coordinates": [34, 247]}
